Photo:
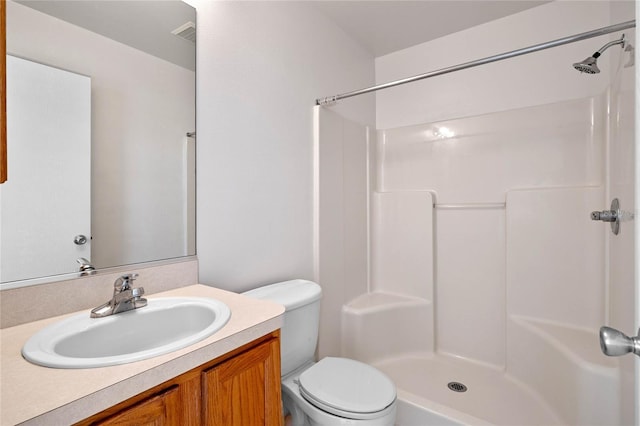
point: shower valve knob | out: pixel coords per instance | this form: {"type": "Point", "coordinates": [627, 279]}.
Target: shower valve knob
{"type": "Point", "coordinates": [614, 216]}
{"type": "Point", "coordinates": [605, 215]}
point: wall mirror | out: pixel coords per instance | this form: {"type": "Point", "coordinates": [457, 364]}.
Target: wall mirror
{"type": "Point", "coordinates": [100, 136]}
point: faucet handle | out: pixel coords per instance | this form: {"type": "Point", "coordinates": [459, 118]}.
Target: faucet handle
{"type": "Point", "coordinates": [124, 282]}
{"type": "Point", "coordinates": [138, 300]}
{"type": "Point", "coordinates": [86, 268]}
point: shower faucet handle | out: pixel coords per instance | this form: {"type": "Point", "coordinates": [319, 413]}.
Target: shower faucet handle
{"type": "Point", "coordinates": [614, 216]}
{"type": "Point", "coordinates": [605, 215]}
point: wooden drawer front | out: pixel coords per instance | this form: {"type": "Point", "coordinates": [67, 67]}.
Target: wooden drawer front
{"type": "Point", "coordinates": [159, 410]}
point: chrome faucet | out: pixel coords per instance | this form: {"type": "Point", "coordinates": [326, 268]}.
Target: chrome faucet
{"type": "Point", "coordinates": [125, 298]}
{"type": "Point", "coordinates": [86, 268]}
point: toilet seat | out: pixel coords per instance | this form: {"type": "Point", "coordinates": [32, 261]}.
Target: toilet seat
{"type": "Point", "coordinates": [347, 388]}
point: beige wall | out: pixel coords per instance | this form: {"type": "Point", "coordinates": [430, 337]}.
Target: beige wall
{"type": "Point", "coordinates": [261, 65]}
{"type": "Point", "coordinates": [539, 78]}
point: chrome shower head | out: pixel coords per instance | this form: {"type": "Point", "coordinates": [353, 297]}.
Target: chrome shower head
{"type": "Point", "coordinates": [590, 64]}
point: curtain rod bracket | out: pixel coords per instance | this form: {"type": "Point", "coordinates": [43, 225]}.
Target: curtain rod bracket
{"type": "Point", "coordinates": [329, 100]}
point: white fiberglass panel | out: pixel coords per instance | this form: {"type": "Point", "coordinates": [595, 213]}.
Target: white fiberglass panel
{"type": "Point", "coordinates": [470, 283]}
{"type": "Point", "coordinates": [402, 251]}
{"type": "Point", "coordinates": [341, 218]}
{"type": "Point", "coordinates": [555, 252]}
{"type": "Point", "coordinates": [477, 159]}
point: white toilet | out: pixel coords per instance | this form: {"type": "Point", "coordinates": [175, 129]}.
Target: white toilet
{"type": "Point", "coordinates": [333, 391]}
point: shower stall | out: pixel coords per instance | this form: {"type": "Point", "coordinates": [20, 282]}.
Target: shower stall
{"type": "Point", "coordinates": [455, 242]}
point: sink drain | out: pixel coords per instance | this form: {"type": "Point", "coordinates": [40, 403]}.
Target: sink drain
{"type": "Point", "coordinates": [457, 387]}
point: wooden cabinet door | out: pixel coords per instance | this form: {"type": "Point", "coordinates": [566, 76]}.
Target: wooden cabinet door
{"type": "Point", "coordinates": [245, 390]}
{"type": "Point", "coordinates": [159, 410]}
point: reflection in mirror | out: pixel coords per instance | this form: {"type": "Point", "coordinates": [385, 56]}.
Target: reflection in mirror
{"type": "Point", "coordinates": [101, 96]}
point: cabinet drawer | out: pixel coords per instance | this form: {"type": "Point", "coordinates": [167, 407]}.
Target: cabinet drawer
{"type": "Point", "coordinates": [158, 410]}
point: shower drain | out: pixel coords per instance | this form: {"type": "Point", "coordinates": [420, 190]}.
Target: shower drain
{"type": "Point", "coordinates": [457, 387]}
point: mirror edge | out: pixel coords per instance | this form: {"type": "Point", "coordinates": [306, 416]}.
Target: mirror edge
{"type": "Point", "coordinates": [78, 275]}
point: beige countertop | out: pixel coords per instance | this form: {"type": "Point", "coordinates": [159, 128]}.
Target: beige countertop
{"type": "Point", "coordinates": [48, 396]}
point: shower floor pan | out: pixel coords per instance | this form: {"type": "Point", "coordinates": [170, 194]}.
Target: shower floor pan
{"type": "Point", "coordinates": [491, 397]}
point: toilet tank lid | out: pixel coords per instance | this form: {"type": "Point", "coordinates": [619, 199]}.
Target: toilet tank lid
{"type": "Point", "coordinates": [292, 294]}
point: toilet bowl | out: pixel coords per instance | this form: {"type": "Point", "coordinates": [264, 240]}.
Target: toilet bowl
{"type": "Point", "coordinates": [332, 391]}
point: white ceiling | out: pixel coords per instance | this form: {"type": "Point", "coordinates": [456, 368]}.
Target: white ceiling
{"type": "Point", "coordinates": [380, 26]}
{"type": "Point", "coordinates": [383, 27]}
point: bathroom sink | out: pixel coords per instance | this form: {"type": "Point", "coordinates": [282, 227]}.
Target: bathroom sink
{"type": "Point", "coordinates": [163, 326]}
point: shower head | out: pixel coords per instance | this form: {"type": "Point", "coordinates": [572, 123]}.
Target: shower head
{"type": "Point", "coordinates": [590, 64]}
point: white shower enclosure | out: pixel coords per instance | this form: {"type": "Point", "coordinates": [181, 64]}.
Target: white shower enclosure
{"type": "Point", "coordinates": [455, 244]}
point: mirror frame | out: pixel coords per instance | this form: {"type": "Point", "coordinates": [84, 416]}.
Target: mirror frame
{"type": "Point", "coordinates": [3, 92]}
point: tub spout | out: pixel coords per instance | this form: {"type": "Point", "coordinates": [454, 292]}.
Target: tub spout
{"type": "Point", "coordinates": [615, 343]}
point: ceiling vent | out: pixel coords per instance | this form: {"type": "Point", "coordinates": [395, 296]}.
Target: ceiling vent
{"type": "Point", "coordinates": [186, 31]}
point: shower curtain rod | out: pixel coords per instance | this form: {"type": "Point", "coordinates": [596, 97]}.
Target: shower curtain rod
{"type": "Point", "coordinates": [489, 59]}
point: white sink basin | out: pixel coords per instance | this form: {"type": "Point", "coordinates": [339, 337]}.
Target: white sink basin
{"type": "Point", "coordinates": [163, 326]}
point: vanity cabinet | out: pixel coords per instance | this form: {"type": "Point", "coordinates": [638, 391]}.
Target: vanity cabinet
{"type": "Point", "coordinates": [239, 388]}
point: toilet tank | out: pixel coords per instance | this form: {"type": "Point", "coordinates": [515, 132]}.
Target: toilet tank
{"type": "Point", "coordinates": [299, 333]}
